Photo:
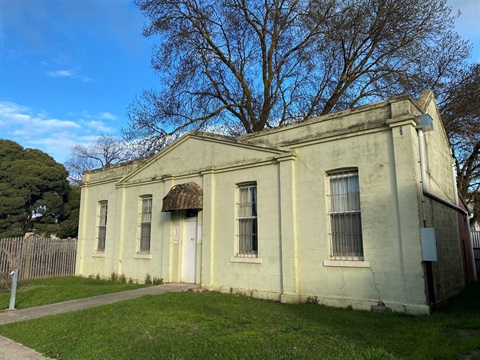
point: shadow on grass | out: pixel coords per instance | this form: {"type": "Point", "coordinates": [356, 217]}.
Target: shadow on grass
{"type": "Point", "coordinates": [212, 325]}
{"type": "Point", "coordinates": [467, 302]}
{"type": "Point", "coordinates": [449, 332]}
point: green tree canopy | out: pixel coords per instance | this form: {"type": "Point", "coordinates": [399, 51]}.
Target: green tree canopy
{"type": "Point", "coordinates": [33, 191]}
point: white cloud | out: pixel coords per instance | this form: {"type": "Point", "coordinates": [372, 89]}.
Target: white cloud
{"type": "Point", "coordinates": [39, 130]}
{"type": "Point", "coordinates": [61, 73]}
{"type": "Point", "coordinates": [107, 116]}
{"type": "Point", "coordinates": [104, 115]}
{"type": "Point", "coordinates": [69, 74]}
{"type": "Point", "coordinates": [97, 126]}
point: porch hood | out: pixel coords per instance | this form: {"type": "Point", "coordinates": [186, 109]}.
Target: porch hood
{"type": "Point", "coordinates": [188, 196]}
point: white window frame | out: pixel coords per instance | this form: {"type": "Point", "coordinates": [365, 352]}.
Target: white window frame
{"type": "Point", "coordinates": [145, 224]}
{"type": "Point", "coordinates": [247, 220]}
{"type": "Point", "coordinates": [344, 213]}
{"type": "Point", "coordinates": [102, 225]}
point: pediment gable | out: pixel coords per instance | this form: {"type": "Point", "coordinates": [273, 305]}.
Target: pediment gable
{"type": "Point", "coordinates": [196, 152]}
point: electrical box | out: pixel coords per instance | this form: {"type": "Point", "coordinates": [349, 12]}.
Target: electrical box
{"type": "Point", "coordinates": [429, 244]}
{"type": "Point", "coordinates": [425, 122]}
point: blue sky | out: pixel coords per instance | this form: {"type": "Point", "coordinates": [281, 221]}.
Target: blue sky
{"type": "Point", "coordinates": [70, 68]}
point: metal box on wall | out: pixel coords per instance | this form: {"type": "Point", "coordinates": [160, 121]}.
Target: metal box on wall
{"type": "Point", "coordinates": [429, 244]}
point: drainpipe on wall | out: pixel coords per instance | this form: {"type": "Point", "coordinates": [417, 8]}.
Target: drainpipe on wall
{"type": "Point", "coordinates": [469, 230]}
{"type": "Point", "coordinates": [421, 148]}
{"type": "Point", "coordinates": [454, 173]}
{"type": "Point", "coordinates": [425, 125]}
{"type": "Point", "coordinates": [467, 219]}
{"type": "Point", "coordinates": [423, 171]}
{"type": "Point", "coordinates": [421, 129]}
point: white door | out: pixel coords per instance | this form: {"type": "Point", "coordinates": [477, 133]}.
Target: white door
{"type": "Point", "coordinates": [189, 251]}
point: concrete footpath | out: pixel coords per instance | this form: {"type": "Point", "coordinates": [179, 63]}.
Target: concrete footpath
{"type": "Point", "coordinates": [10, 350]}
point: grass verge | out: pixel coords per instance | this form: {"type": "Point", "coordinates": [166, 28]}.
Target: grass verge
{"type": "Point", "coordinates": [38, 292]}
{"type": "Point", "coordinates": [220, 326]}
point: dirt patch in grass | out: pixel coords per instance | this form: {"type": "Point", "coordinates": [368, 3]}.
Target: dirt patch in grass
{"type": "Point", "coordinates": [466, 333]}
{"type": "Point", "coordinates": [471, 356]}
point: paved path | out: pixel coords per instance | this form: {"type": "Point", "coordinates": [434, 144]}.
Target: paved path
{"type": "Point", "coordinates": [10, 350]}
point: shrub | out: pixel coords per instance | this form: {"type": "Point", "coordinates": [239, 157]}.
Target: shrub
{"type": "Point", "coordinates": [122, 278]}
{"type": "Point", "coordinates": [148, 280]}
{"type": "Point", "coordinates": [157, 281]}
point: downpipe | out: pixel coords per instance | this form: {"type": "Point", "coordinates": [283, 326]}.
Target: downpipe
{"type": "Point", "coordinates": [427, 193]}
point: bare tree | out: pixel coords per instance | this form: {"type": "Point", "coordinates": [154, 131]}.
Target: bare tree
{"type": "Point", "coordinates": [244, 65]}
{"type": "Point", "coordinates": [101, 153]}
{"type": "Point", "coordinates": [461, 115]}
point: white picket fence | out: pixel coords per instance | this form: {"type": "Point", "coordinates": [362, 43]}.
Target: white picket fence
{"type": "Point", "coordinates": [37, 257]}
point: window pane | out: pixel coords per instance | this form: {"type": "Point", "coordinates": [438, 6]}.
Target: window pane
{"type": "Point", "coordinates": [146, 224]}
{"type": "Point", "coordinates": [346, 234]}
{"type": "Point", "coordinates": [102, 232]}
{"type": "Point", "coordinates": [254, 201]}
{"type": "Point", "coordinates": [345, 215]}
{"type": "Point", "coordinates": [147, 209]}
{"type": "Point", "coordinates": [102, 225]}
{"type": "Point", "coordinates": [247, 220]}
{"type": "Point", "coordinates": [254, 236]}
{"type": "Point", "coordinates": [345, 194]}
{"type": "Point", "coordinates": [145, 237]}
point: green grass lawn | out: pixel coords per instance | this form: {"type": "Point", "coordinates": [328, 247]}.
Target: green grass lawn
{"type": "Point", "coordinates": [38, 292]}
{"type": "Point", "coordinates": [221, 326]}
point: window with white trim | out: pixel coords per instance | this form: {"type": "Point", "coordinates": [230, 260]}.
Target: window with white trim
{"type": "Point", "coordinates": [145, 224]}
{"type": "Point", "coordinates": [345, 215]}
{"type": "Point", "coordinates": [102, 225]}
{"type": "Point", "coordinates": [247, 220]}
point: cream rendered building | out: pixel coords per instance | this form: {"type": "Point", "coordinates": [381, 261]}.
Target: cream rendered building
{"type": "Point", "coordinates": [335, 208]}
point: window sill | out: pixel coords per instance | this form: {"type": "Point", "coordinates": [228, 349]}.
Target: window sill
{"type": "Point", "coordinates": [346, 263]}
{"type": "Point", "coordinates": [142, 256]}
{"type": "Point", "coordinates": [99, 254]}
{"type": "Point", "coordinates": [248, 260]}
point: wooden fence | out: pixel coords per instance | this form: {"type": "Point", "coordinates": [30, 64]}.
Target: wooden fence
{"type": "Point", "coordinates": [38, 257]}
{"type": "Point", "coordinates": [476, 250]}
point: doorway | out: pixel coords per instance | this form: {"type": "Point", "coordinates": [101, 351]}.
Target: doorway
{"type": "Point", "coordinates": [189, 250]}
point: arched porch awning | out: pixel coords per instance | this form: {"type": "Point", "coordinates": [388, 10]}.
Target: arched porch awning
{"type": "Point", "coordinates": [187, 196]}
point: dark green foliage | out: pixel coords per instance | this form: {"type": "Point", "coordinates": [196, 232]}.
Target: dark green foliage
{"type": "Point", "coordinates": [71, 212]}
{"type": "Point", "coordinates": [148, 280]}
{"type": "Point", "coordinates": [35, 193]}
{"type": "Point", "coordinates": [113, 276]}
{"type": "Point", "coordinates": [157, 281]}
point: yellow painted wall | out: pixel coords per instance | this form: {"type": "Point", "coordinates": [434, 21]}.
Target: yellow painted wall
{"type": "Point", "coordinates": [289, 166]}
